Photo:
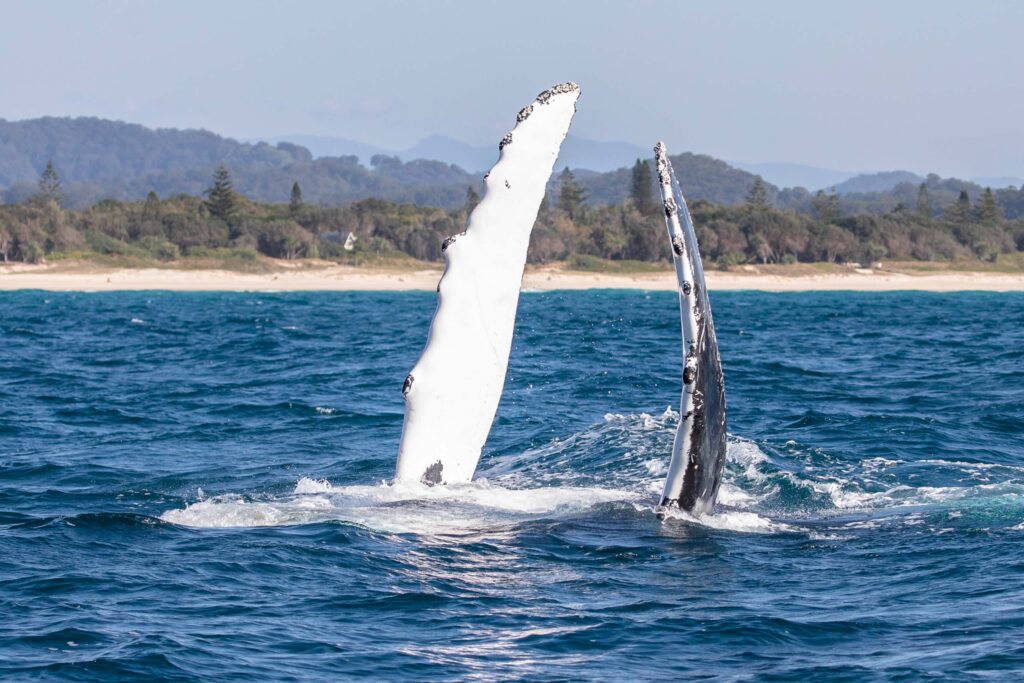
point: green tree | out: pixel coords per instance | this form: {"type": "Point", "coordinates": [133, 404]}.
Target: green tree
{"type": "Point", "coordinates": [640, 189]}
{"type": "Point", "coordinates": [959, 212]}
{"type": "Point", "coordinates": [472, 199]}
{"type": "Point", "coordinates": [572, 195]}
{"type": "Point", "coordinates": [825, 207]}
{"type": "Point", "coordinates": [757, 198]}
{"type": "Point", "coordinates": [759, 245]}
{"type": "Point", "coordinates": [834, 243]}
{"type": "Point", "coordinates": [285, 239]}
{"type": "Point", "coordinates": [151, 207]}
{"type": "Point", "coordinates": [221, 200]}
{"type": "Point", "coordinates": [6, 241]}
{"type": "Point", "coordinates": [924, 204]}
{"type": "Point", "coordinates": [32, 252]}
{"type": "Point", "coordinates": [295, 205]}
{"type": "Point", "coordinates": [988, 210]}
{"type": "Point", "coordinates": [49, 186]}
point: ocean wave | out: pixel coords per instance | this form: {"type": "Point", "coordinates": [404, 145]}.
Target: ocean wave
{"type": "Point", "coordinates": [623, 459]}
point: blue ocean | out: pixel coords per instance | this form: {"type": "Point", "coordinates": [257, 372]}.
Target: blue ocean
{"type": "Point", "coordinates": [195, 487]}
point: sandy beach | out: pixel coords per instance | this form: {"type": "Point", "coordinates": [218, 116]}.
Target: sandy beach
{"type": "Point", "coordinates": [347, 278]}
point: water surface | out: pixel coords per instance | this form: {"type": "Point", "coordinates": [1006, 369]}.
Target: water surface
{"type": "Point", "coordinates": [193, 487]}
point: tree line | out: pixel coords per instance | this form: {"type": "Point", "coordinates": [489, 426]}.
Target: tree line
{"type": "Point", "coordinates": [224, 221]}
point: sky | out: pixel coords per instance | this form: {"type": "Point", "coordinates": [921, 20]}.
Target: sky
{"type": "Point", "coordinates": [850, 85]}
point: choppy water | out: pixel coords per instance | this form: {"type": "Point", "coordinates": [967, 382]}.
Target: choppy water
{"type": "Point", "coordinates": [191, 489]}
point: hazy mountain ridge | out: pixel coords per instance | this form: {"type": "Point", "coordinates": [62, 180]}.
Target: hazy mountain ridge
{"type": "Point", "coordinates": [702, 177]}
{"type": "Point", "coordinates": [785, 174]}
{"type": "Point", "coordinates": [98, 159]}
{"type": "Point", "coordinates": [576, 152]}
{"type": "Point", "coordinates": [877, 182]}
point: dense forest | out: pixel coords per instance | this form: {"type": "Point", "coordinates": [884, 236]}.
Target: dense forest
{"type": "Point", "coordinates": [224, 221]}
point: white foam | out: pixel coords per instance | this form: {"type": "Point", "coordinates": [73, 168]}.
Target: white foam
{"type": "Point", "coordinates": [656, 467]}
{"type": "Point", "coordinates": [874, 464]}
{"type": "Point", "coordinates": [743, 522]}
{"type": "Point", "coordinates": [733, 496]}
{"type": "Point", "coordinates": [962, 463]}
{"type": "Point", "coordinates": [396, 508]}
{"type": "Point", "coordinates": [307, 485]}
{"type": "Point", "coordinates": [822, 536]}
{"type": "Point", "coordinates": [748, 455]}
{"type": "Point", "coordinates": [647, 421]}
{"type": "Point", "coordinates": [845, 495]}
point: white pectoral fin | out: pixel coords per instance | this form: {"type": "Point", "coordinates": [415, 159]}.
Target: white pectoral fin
{"type": "Point", "coordinates": [452, 393]}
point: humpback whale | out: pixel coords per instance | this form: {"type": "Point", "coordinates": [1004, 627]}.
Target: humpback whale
{"type": "Point", "coordinates": [452, 393]}
{"type": "Point", "coordinates": [698, 452]}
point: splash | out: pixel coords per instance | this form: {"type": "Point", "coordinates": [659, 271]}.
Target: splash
{"type": "Point", "coordinates": [620, 462]}
{"type": "Point", "coordinates": [397, 508]}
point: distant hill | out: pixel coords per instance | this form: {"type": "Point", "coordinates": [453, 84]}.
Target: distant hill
{"type": "Point", "coordinates": [451, 151]}
{"type": "Point", "coordinates": [98, 159]}
{"type": "Point", "coordinates": [998, 181]}
{"type": "Point", "coordinates": [576, 152]}
{"type": "Point", "coordinates": [329, 146]}
{"type": "Point", "coordinates": [796, 175]}
{"type": "Point", "coordinates": [702, 178]}
{"type": "Point", "coordinates": [877, 182]}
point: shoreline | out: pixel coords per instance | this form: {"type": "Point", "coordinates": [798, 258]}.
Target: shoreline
{"type": "Point", "coordinates": [543, 278]}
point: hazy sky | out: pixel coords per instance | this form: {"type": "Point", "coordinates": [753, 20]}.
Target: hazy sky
{"type": "Point", "coordinates": [865, 85]}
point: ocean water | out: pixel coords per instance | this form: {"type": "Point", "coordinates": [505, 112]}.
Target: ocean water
{"type": "Point", "coordinates": [195, 487]}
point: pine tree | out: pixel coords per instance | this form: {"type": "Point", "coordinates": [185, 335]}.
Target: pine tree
{"type": "Point", "coordinates": [472, 199]}
{"type": "Point", "coordinates": [959, 212]}
{"type": "Point", "coordinates": [924, 204]}
{"type": "Point", "coordinates": [988, 210]}
{"type": "Point", "coordinates": [572, 195]}
{"type": "Point", "coordinates": [643, 197]}
{"type": "Point", "coordinates": [295, 205]}
{"type": "Point", "coordinates": [49, 185]}
{"type": "Point", "coordinates": [151, 207]}
{"type": "Point", "coordinates": [757, 198]}
{"type": "Point", "coordinates": [221, 200]}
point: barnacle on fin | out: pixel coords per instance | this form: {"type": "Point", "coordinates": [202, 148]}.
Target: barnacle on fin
{"type": "Point", "coordinates": [546, 96]}
{"type": "Point", "coordinates": [448, 241]}
{"type": "Point", "coordinates": [661, 157]}
{"type": "Point", "coordinates": [432, 475]}
{"type": "Point", "coordinates": [688, 375]}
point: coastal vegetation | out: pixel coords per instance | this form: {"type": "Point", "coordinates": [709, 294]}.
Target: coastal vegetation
{"type": "Point", "coordinates": [225, 223]}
